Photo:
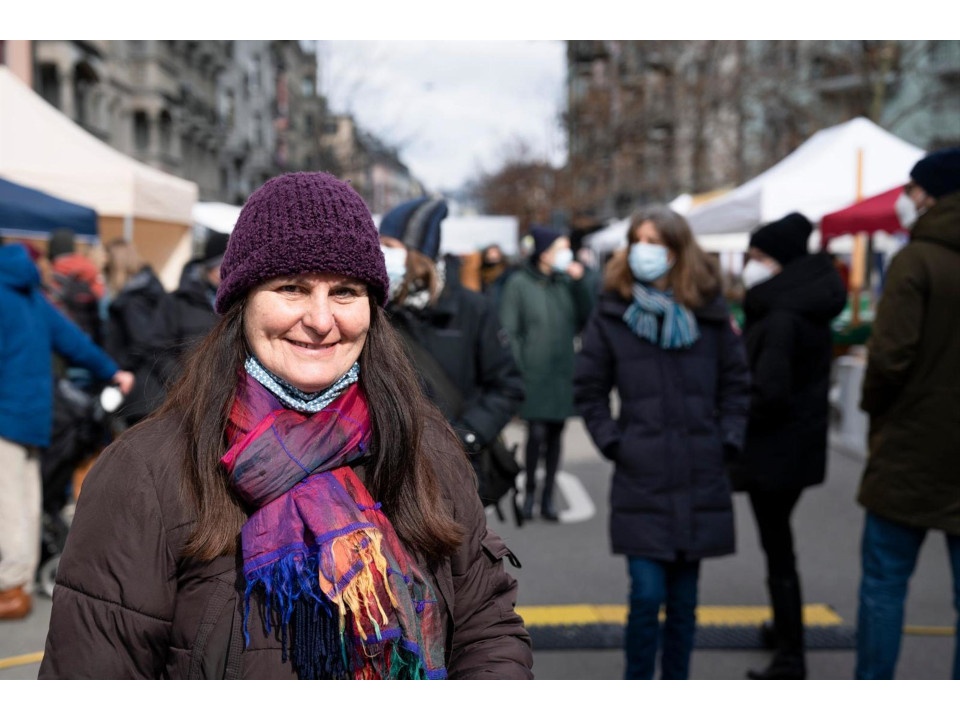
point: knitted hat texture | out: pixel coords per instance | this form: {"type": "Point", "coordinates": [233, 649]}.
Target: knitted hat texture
{"type": "Point", "coordinates": [299, 223]}
{"type": "Point", "coordinates": [939, 172]}
{"type": "Point", "coordinates": [785, 239]}
{"type": "Point", "coordinates": [416, 224]}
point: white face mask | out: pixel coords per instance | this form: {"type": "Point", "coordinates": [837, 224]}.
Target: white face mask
{"type": "Point", "coordinates": [562, 259]}
{"type": "Point", "coordinates": [906, 211]}
{"type": "Point", "coordinates": [396, 262]}
{"type": "Point", "coordinates": [754, 273]}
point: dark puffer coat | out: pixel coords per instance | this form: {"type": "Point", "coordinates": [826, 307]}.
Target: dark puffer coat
{"type": "Point", "coordinates": [911, 388]}
{"type": "Point", "coordinates": [790, 350]}
{"type": "Point", "coordinates": [129, 328]}
{"type": "Point", "coordinates": [129, 604]}
{"type": "Point", "coordinates": [670, 495]}
{"type": "Point", "coordinates": [462, 333]}
{"type": "Point", "coordinates": [182, 319]}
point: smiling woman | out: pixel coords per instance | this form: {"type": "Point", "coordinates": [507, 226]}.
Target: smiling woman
{"type": "Point", "coordinates": [309, 329]}
{"type": "Point", "coordinates": [289, 511]}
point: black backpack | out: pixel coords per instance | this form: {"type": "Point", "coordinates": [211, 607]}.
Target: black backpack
{"type": "Point", "coordinates": [76, 298]}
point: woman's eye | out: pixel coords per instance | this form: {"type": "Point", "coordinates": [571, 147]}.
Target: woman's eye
{"type": "Point", "coordinates": [289, 288]}
{"type": "Point", "coordinates": [345, 291]}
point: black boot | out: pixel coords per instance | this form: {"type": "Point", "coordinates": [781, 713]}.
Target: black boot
{"type": "Point", "coordinates": [547, 511]}
{"type": "Point", "coordinates": [788, 661]}
{"type": "Point", "coordinates": [528, 505]}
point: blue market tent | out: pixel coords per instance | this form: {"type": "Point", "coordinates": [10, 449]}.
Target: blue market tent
{"type": "Point", "coordinates": [25, 212]}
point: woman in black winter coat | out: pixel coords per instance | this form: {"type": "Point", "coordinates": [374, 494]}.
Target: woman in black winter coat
{"type": "Point", "coordinates": [662, 337]}
{"type": "Point", "coordinates": [453, 334]}
{"type": "Point", "coordinates": [791, 298]}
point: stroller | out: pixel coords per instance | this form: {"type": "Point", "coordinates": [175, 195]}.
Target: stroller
{"type": "Point", "coordinates": [82, 427]}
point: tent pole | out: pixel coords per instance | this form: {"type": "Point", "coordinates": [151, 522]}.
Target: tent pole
{"type": "Point", "coordinates": [128, 228]}
{"type": "Point", "coordinates": [856, 271]}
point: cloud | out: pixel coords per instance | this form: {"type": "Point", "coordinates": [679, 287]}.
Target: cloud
{"type": "Point", "coordinates": [451, 107]}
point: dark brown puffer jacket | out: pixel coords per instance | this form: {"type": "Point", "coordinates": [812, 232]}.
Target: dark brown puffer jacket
{"type": "Point", "coordinates": [128, 604]}
{"type": "Point", "coordinates": [911, 388]}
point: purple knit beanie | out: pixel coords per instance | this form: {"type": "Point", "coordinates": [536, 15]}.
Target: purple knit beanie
{"type": "Point", "coordinates": [298, 223]}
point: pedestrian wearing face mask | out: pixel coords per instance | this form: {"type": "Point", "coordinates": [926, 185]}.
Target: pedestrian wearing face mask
{"type": "Point", "coordinates": [470, 374]}
{"type": "Point", "coordinates": [911, 391]}
{"type": "Point", "coordinates": [543, 306]}
{"type": "Point", "coordinates": [792, 296]}
{"type": "Point", "coordinates": [662, 338]}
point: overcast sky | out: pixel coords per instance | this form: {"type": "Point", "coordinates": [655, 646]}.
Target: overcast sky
{"type": "Point", "coordinates": [452, 108]}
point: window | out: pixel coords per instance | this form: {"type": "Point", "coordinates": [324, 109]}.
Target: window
{"type": "Point", "coordinates": [141, 131]}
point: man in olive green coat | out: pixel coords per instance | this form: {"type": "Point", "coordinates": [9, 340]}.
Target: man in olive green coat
{"type": "Point", "coordinates": [543, 305]}
{"type": "Point", "coordinates": [911, 391]}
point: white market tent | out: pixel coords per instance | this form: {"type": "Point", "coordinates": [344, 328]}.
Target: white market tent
{"type": "Point", "coordinates": [217, 216]}
{"type": "Point", "coordinates": [42, 148]}
{"type": "Point", "coordinates": [830, 170]}
{"type": "Point", "coordinates": [822, 175]}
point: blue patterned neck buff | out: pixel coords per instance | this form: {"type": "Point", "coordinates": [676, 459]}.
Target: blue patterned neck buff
{"type": "Point", "coordinates": [679, 328]}
{"type": "Point", "coordinates": [294, 398]}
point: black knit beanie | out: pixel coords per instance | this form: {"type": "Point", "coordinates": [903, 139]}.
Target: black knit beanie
{"type": "Point", "coordinates": [299, 223]}
{"type": "Point", "coordinates": [939, 172]}
{"type": "Point", "coordinates": [785, 239]}
{"type": "Point", "coordinates": [543, 238]}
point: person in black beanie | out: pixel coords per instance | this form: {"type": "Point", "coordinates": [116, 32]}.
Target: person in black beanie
{"type": "Point", "coordinates": [543, 307]}
{"type": "Point", "coordinates": [911, 390]}
{"type": "Point", "coordinates": [791, 299]}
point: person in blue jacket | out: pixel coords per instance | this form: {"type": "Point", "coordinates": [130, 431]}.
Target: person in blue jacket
{"type": "Point", "coordinates": [31, 330]}
{"type": "Point", "coordinates": [661, 337]}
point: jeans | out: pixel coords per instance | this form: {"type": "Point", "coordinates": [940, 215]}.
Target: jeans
{"type": "Point", "coordinates": [889, 554]}
{"type": "Point", "coordinates": [654, 583]}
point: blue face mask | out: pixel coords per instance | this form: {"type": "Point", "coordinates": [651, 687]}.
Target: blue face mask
{"type": "Point", "coordinates": [396, 261]}
{"type": "Point", "coordinates": [648, 262]}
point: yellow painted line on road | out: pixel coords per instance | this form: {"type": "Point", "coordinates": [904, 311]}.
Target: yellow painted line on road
{"type": "Point", "coordinates": [728, 615]}
{"type": "Point", "coordinates": [18, 660]}
{"type": "Point", "coordinates": [928, 630]}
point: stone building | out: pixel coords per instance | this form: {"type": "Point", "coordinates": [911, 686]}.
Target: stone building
{"type": "Point", "coordinates": [648, 120]}
{"type": "Point", "coordinates": [227, 114]}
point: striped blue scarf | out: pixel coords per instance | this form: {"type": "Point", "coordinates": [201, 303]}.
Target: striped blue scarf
{"type": "Point", "coordinates": [679, 327]}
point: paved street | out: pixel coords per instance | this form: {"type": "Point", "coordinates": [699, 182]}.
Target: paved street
{"type": "Point", "coordinates": [569, 563]}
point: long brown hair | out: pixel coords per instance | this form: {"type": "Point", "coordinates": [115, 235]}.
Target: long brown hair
{"type": "Point", "coordinates": [402, 470]}
{"type": "Point", "coordinates": [694, 277]}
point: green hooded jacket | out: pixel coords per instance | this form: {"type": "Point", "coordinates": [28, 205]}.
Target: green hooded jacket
{"type": "Point", "coordinates": [543, 314]}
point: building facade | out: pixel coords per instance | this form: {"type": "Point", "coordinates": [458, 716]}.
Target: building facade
{"type": "Point", "coordinates": [227, 114]}
{"type": "Point", "coordinates": [648, 120]}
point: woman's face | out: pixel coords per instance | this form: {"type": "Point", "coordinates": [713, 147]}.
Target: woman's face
{"type": "Point", "coordinates": [308, 329]}
{"type": "Point", "coordinates": [647, 232]}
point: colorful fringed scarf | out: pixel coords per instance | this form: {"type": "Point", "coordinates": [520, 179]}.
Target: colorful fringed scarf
{"type": "Point", "coordinates": [679, 327]}
{"type": "Point", "coordinates": [326, 562]}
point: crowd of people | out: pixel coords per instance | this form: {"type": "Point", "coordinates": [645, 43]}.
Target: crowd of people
{"type": "Point", "coordinates": [296, 407]}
